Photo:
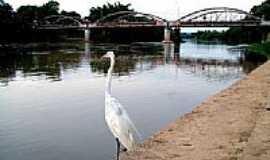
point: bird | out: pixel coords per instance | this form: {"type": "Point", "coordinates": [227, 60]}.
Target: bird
{"type": "Point", "coordinates": [116, 117]}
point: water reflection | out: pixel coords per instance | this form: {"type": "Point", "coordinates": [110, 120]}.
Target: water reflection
{"type": "Point", "coordinates": [87, 48]}
{"type": "Point", "coordinates": [168, 52]}
{"type": "Point", "coordinates": [44, 66]}
{"type": "Point", "coordinates": [52, 103]}
{"type": "Point", "coordinates": [51, 66]}
{"type": "Point", "coordinates": [124, 65]}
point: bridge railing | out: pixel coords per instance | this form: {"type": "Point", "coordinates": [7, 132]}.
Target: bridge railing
{"type": "Point", "coordinates": [209, 17]}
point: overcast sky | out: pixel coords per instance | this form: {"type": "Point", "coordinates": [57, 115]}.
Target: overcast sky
{"type": "Point", "coordinates": [170, 9]}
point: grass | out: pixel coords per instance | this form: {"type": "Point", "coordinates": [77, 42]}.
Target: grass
{"type": "Point", "coordinates": [260, 49]}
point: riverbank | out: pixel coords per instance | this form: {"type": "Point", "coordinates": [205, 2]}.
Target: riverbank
{"type": "Point", "coordinates": [230, 125]}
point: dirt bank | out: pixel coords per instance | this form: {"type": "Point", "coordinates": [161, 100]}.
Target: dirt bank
{"type": "Point", "coordinates": [231, 125]}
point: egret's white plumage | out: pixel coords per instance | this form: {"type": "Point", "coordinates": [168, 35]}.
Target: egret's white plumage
{"type": "Point", "coordinates": [116, 116]}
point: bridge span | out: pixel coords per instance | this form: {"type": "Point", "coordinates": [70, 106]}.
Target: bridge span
{"type": "Point", "coordinates": [208, 17]}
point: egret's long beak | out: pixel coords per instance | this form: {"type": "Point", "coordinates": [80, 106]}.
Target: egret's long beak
{"type": "Point", "coordinates": [104, 56]}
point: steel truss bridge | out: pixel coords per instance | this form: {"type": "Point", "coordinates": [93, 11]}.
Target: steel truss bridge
{"type": "Point", "coordinates": [208, 17]}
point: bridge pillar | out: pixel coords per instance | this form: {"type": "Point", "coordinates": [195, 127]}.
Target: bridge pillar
{"type": "Point", "coordinates": [168, 53]}
{"type": "Point", "coordinates": [176, 35]}
{"type": "Point", "coordinates": [87, 35]}
{"type": "Point", "coordinates": [177, 48]}
{"type": "Point", "coordinates": [167, 35]}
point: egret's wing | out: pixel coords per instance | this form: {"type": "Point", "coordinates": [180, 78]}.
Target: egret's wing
{"type": "Point", "coordinates": [130, 125]}
{"type": "Point", "coordinates": [126, 122]}
{"type": "Point", "coordinates": [134, 130]}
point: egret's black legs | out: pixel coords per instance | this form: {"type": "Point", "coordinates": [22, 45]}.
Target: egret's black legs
{"type": "Point", "coordinates": [124, 150]}
{"type": "Point", "coordinates": [117, 148]}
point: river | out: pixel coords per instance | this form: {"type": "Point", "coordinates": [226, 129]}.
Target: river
{"type": "Point", "coordinates": [52, 102]}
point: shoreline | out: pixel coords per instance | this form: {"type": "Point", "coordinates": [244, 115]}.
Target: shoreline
{"type": "Point", "coordinates": [226, 126]}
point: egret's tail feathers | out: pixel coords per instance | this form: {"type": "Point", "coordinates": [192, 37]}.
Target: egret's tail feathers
{"type": "Point", "coordinates": [138, 136]}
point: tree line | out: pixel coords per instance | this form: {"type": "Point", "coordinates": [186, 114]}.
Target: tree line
{"type": "Point", "coordinates": [238, 35]}
{"type": "Point", "coordinates": [18, 25]}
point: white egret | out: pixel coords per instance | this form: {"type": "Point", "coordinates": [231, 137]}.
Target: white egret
{"type": "Point", "coordinates": [116, 116]}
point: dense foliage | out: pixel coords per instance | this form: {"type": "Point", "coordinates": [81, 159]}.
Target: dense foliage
{"type": "Point", "coordinates": [123, 35]}
{"type": "Point", "coordinates": [97, 12]}
{"type": "Point", "coordinates": [8, 21]}
{"type": "Point", "coordinates": [210, 35]}
{"type": "Point", "coordinates": [30, 13]}
{"type": "Point", "coordinates": [260, 49]}
{"type": "Point", "coordinates": [238, 35]}
{"type": "Point", "coordinates": [18, 26]}
{"type": "Point", "coordinates": [234, 35]}
{"type": "Point", "coordinates": [262, 10]}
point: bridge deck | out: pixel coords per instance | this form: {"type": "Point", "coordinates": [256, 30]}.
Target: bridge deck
{"type": "Point", "coordinates": [151, 25]}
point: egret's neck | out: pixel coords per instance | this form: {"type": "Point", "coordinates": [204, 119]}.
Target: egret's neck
{"type": "Point", "coordinates": [109, 76]}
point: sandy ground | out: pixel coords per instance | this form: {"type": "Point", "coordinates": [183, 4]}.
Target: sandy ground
{"type": "Point", "coordinates": [231, 125]}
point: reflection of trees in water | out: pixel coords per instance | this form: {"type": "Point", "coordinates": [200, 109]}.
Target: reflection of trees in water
{"type": "Point", "coordinates": [146, 63]}
{"type": "Point", "coordinates": [211, 70]}
{"type": "Point", "coordinates": [49, 65]}
{"type": "Point", "coordinates": [123, 66]}
{"type": "Point", "coordinates": [52, 65]}
{"type": "Point", "coordinates": [239, 62]}
{"type": "Point", "coordinates": [127, 49]}
{"type": "Point", "coordinates": [126, 65]}
{"type": "Point", "coordinates": [214, 69]}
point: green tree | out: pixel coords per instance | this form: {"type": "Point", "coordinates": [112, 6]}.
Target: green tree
{"type": "Point", "coordinates": [250, 35]}
{"type": "Point", "coordinates": [49, 8]}
{"type": "Point", "coordinates": [98, 12]}
{"type": "Point", "coordinates": [7, 22]}
{"type": "Point", "coordinates": [262, 10]}
{"type": "Point", "coordinates": [28, 13]}
{"type": "Point", "coordinates": [243, 34]}
{"type": "Point", "coordinates": [6, 14]}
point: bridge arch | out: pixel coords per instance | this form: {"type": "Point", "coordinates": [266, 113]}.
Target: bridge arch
{"type": "Point", "coordinates": [56, 19]}
{"type": "Point", "coordinates": [123, 14]}
{"type": "Point", "coordinates": [229, 13]}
